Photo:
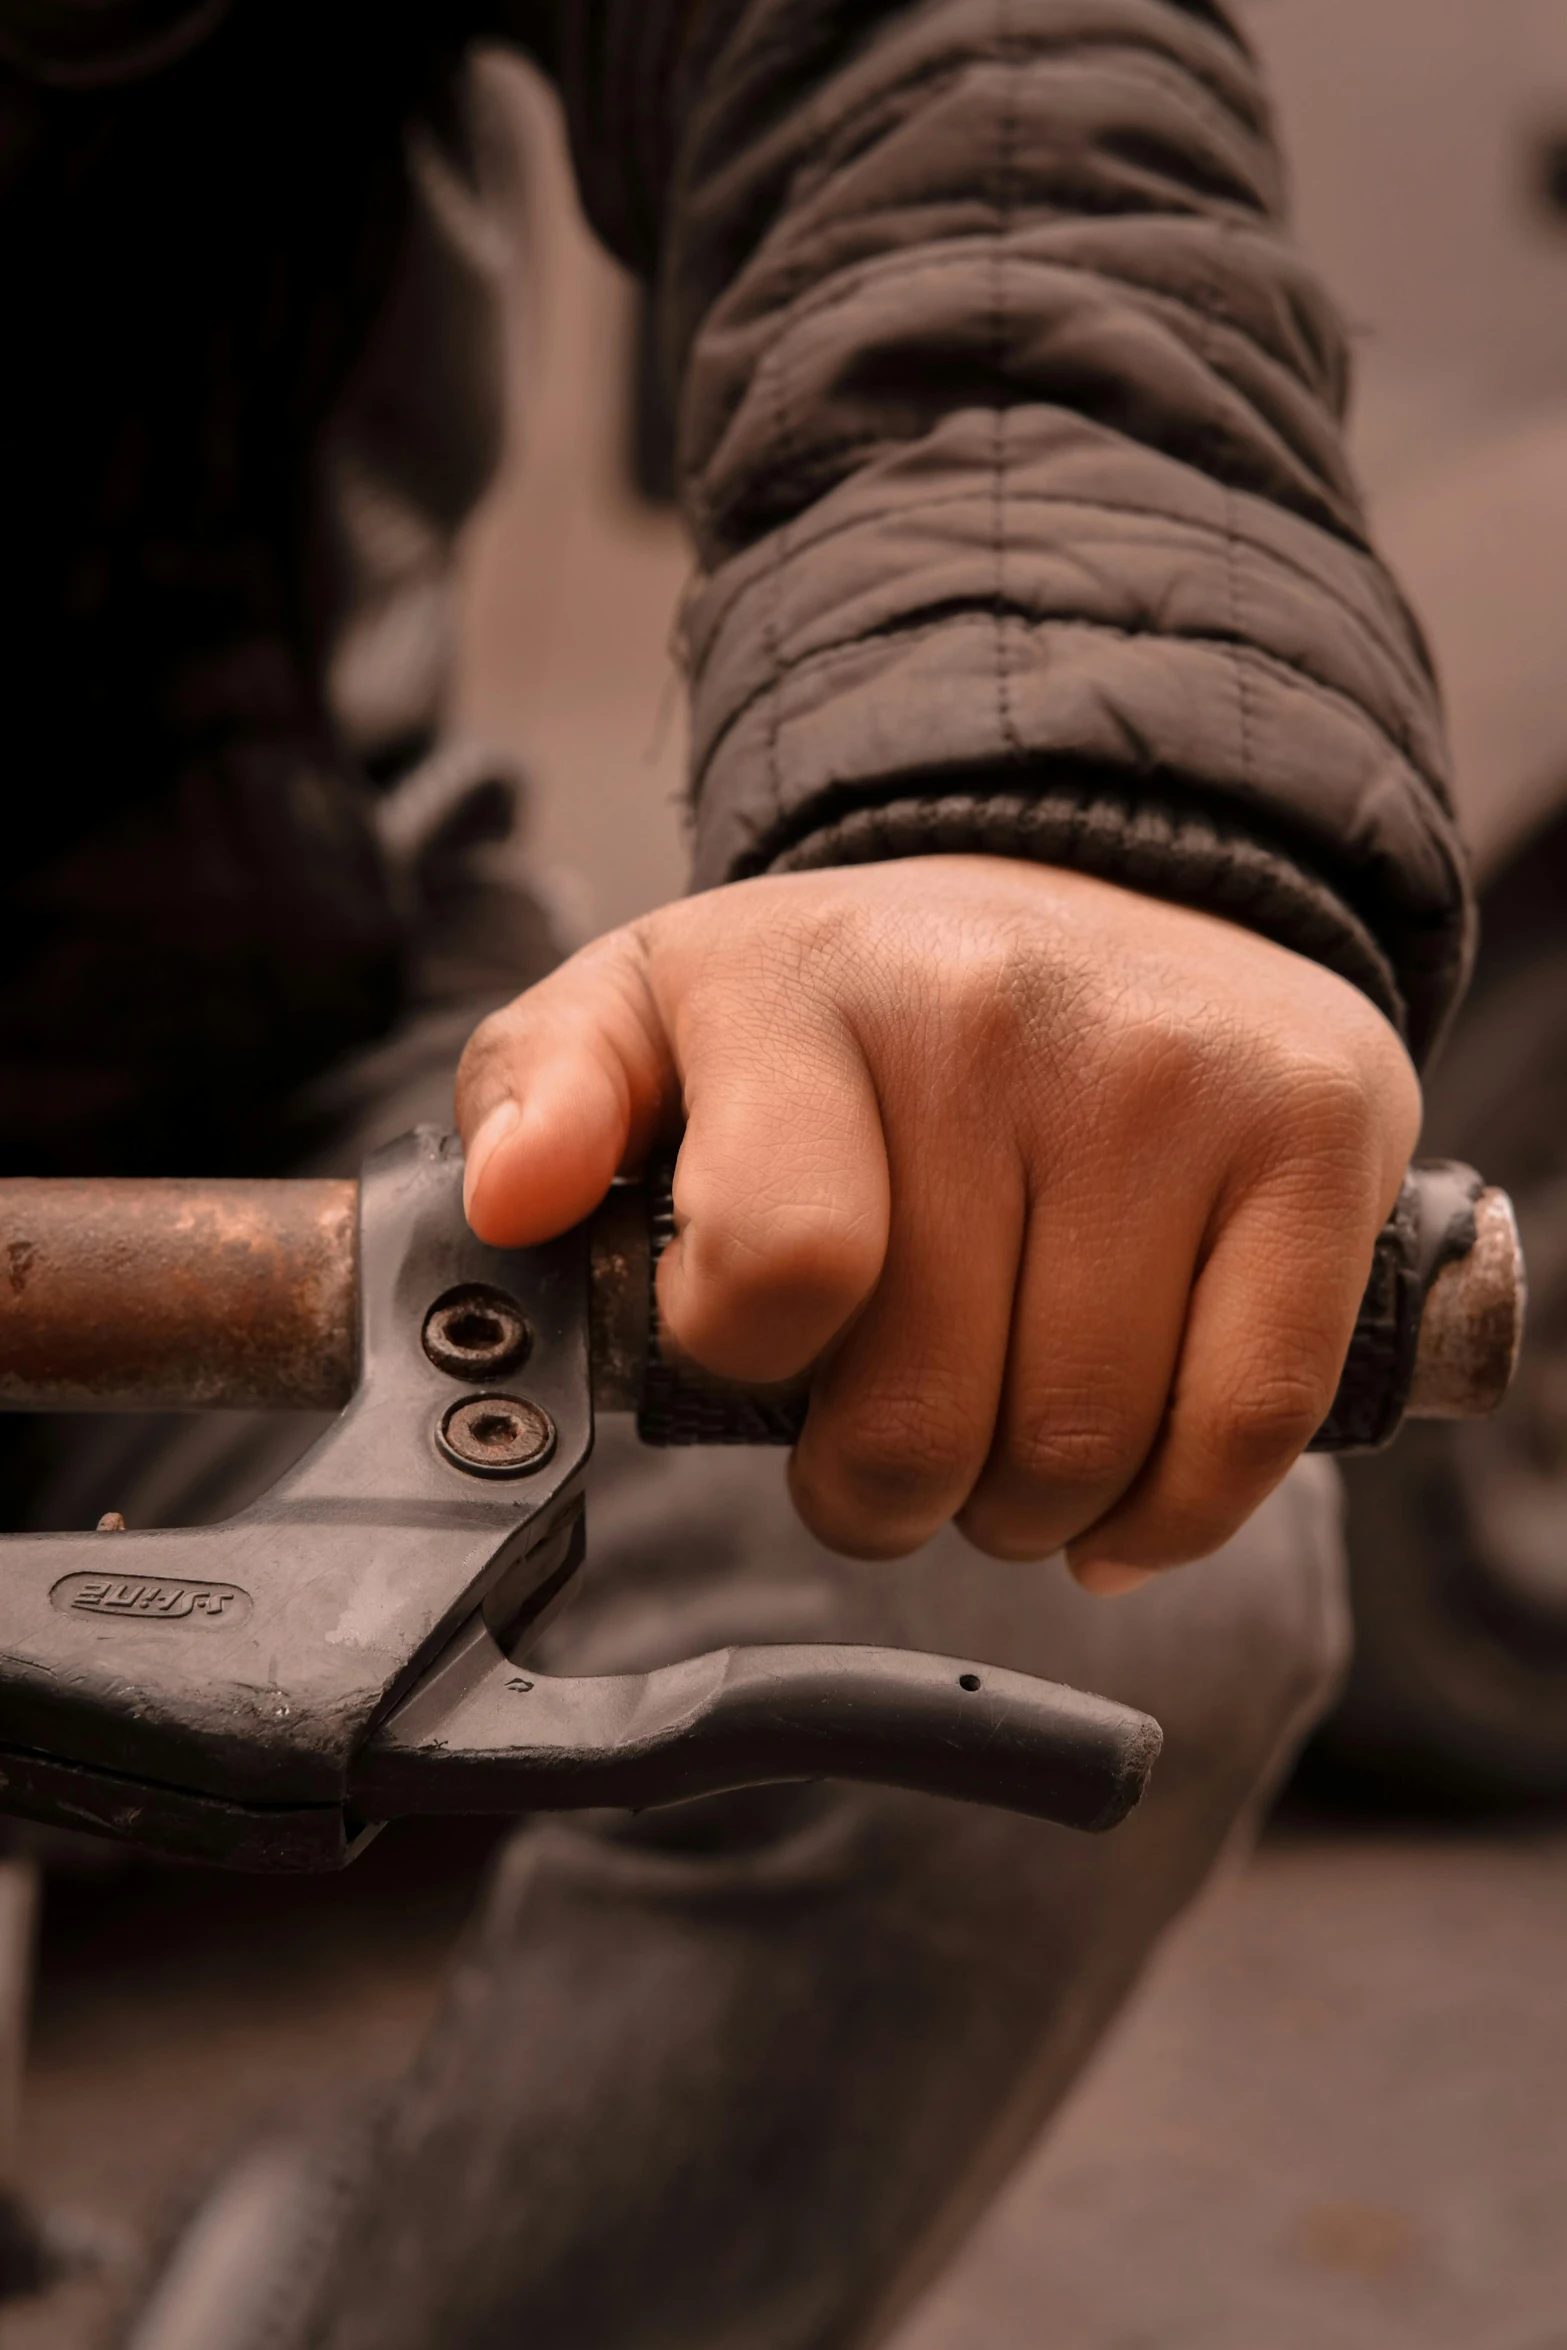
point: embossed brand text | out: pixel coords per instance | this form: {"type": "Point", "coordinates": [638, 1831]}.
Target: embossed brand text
{"type": "Point", "coordinates": [144, 1599]}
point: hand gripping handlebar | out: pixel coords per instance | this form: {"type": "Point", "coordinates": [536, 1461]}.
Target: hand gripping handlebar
{"type": "Point", "coordinates": [354, 1646]}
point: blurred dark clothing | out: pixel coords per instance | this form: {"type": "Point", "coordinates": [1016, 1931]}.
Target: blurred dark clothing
{"type": "Point", "coordinates": [198, 913]}
{"type": "Point", "coordinates": [741, 2075]}
{"type": "Point", "coordinates": [1008, 437]}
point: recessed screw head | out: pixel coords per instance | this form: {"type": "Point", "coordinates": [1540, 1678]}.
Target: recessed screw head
{"type": "Point", "coordinates": [497, 1435]}
{"type": "Point", "coordinates": [476, 1332]}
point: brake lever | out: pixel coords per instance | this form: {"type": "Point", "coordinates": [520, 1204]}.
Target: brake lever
{"type": "Point", "coordinates": [204, 1691]}
{"type": "Point", "coordinates": [479, 1735]}
{"type": "Point", "coordinates": [264, 1692]}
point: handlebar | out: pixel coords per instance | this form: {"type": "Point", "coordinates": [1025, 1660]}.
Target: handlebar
{"type": "Point", "coordinates": [191, 1689]}
{"type": "Point", "coordinates": [144, 1295]}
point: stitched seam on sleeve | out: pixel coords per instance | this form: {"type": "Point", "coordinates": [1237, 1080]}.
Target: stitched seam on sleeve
{"type": "Point", "coordinates": [1158, 65]}
{"type": "Point", "coordinates": [1232, 574]}
{"type": "Point", "coordinates": [775, 358]}
{"type": "Point", "coordinates": [1360, 618]}
{"type": "Point", "coordinates": [826, 458]}
{"type": "Point", "coordinates": [1242, 206]}
{"type": "Point", "coordinates": [1001, 341]}
{"type": "Point", "coordinates": [772, 616]}
{"type": "Point", "coordinates": [831, 458]}
{"type": "Point", "coordinates": [850, 284]}
{"type": "Point", "coordinates": [827, 658]}
{"type": "Point", "coordinates": [938, 501]}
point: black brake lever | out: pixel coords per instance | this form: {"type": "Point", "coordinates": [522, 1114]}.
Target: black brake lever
{"type": "Point", "coordinates": [479, 1734]}
{"type": "Point", "coordinates": [263, 1692]}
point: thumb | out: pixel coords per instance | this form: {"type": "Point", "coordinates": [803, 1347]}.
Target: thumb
{"type": "Point", "coordinates": [559, 1091]}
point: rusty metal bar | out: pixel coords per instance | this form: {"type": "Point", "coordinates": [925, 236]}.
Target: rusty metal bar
{"type": "Point", "coordinates": [171, 1294]}
{"type": "Point", "coordinates": [1472, 1326]}
{"type": "Point", "coordinates": [121, 1295]}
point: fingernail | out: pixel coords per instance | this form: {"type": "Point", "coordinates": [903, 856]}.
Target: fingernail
{"type": "Point", "coordinates": [492, 1133]}
{"type": "Point", "coordinates": [1107, 1579]}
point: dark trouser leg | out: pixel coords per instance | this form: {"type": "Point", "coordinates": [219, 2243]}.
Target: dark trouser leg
{"type": "Point", "coordinates": [744, 2074]}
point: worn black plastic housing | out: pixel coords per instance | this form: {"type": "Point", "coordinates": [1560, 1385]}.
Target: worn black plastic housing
{"type": "Point", "coordinates": [352, 1647]}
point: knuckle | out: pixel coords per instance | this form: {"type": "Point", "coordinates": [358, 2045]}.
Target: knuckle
{"type": "Point", "coordinates": [1330, 1119]}
{"type": "Point", "coordinates": [1072, 1450]}
{"type": "Point", "coordinates": [906, 1448]}
{"type": "Point", "coordinates": [1335, 1099]}
{"type": "Point", "coordinates": [852, 1529]}
{"type": "Point", "coordinates": [482, 1049]}
{"type": "Point", "coordinates": [990, 991]}
{"type": "Point", "coordinates": [483, 1057]}
{"type": "Point", "coordinates": [779, 1253]}
{"type": "Point", "coordinates": [1263, 1422]}
{"type": "Point", "coordinates": [1158, 1062]}
{"type": "Point", "coordinates": [982, 997]}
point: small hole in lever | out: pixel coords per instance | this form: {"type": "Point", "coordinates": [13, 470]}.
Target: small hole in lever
{"type": "Point", "coordinates": [968, 1680]}
{"type": "Point", "coordinates": [474, 1330]}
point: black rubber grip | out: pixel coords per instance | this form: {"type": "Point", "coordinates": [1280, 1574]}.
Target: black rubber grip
{"type": "Point", "coordinates": [680, 1405]}
{"type": "Point", "coordinates": [1432, 1223]}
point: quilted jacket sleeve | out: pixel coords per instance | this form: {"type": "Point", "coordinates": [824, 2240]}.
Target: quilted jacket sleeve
{"type": "Point", "coordinates": [1010, 439]}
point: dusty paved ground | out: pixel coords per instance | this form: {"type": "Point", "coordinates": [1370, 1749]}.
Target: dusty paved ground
{"type": "Point", "coordinates": [1333, 2121]}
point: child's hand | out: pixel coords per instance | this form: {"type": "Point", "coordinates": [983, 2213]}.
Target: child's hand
{"type": "Point", "coordinates": [1069, 1194]}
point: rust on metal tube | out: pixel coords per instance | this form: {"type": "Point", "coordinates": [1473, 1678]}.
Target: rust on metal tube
{"type": "Point", "coordinates": [620, 1296]}
{"type": "Point", "coordinates": [179, 1295]}
{"type": "Point", "coordinates": [1472, 1326]}
{"type": "Point", "coordinates": [119, 1294]}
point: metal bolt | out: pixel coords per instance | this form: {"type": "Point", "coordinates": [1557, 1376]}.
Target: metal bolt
{"type": "Point", "coordinates": [476, 1332]}
{"type": "Point", "coordinates": [497, 1436]}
